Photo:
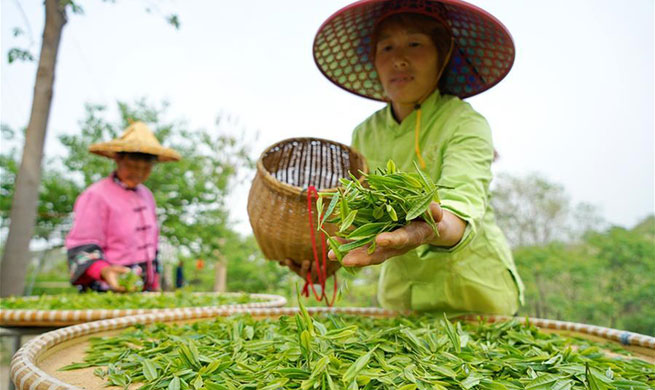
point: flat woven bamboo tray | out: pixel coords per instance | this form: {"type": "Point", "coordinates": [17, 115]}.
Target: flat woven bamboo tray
{"type": "Point", "coordinates": [35, 365]}
{"type": "Point", "coordinates": [49, 318]}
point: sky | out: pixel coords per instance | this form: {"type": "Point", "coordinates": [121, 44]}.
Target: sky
{"type": "Point", "coordinates": [577, 107]}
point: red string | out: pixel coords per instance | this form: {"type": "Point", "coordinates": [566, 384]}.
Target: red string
{"type": "Point", "coordinates": [321, 269]}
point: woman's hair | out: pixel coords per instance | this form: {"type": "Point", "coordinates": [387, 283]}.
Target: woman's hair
{"type": "Point", "coordinates": [137, 156]}
{"type": "Point", "coordinates": [435, 29]}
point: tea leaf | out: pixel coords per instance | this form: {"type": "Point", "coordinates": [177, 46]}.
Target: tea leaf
{"type": "Point", "coordinates": [149, 370]}
{"type": "Point", "coordinates": [420, 206]}
{"type": "Point", "coordinates": [392, 213]}
{"type": "Point", "coordinates": [330, 209]}
{"type": "Point", "coordinates": [356, 244]}
{"type": "Point", "coordinates": [357, 366]}
{"type": "Point", "coordinates": [348, 221]}
{"type": "Point", "coordinates": [427, 182]}
{"type": "Point", "coordinates": [391, 166]}
{"type": "Point", "coordinates": [174, 384]}
{"type": "Point", "coordinates": [452, 334]}
{"type": "Point", "coordinates": [367, 230]}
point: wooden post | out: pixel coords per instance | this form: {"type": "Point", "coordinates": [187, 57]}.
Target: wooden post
{"type": "Point", "coordinates": [220, 272]}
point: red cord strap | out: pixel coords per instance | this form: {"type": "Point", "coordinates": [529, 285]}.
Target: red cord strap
{"type": "Point", "coordinates": [321, 269]}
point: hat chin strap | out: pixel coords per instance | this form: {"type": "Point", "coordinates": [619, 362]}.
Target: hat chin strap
{"type": "Point", "coordinates": [417, 106]}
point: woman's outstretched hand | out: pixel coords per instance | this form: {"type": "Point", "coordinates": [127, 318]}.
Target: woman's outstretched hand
{"type": "Point", "coordinates": [110, 275]}
{"type": "Point", "coordinates": [400, 241]}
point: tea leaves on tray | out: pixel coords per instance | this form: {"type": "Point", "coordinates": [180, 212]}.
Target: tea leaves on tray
{"type": "Point", "coordinates": [109, 300]}
{"type": "Point", "coordinates": [351, 352]}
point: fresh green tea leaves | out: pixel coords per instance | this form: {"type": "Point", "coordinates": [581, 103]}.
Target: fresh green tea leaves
{"type": "Point", "coordinates": [387, 200]}
{"type": "Point", "coordinates": [343, 351]}
{"type": "Point", "coordinates": [110, 300]}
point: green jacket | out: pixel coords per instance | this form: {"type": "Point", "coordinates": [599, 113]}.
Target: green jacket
{"type": "Point", "coordinates": [477, 274]}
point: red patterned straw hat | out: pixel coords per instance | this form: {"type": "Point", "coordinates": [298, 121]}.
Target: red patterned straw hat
{"type": "Point", "coordinates": [482, 55]}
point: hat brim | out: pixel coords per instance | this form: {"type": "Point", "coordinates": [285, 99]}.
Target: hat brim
{"type": "Point", "coordinates": [112, 148]}
{"type": "Point", "coordinates": [482, 55]}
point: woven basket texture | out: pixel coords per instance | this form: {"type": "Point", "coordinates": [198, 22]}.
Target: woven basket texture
{"type": "Point", "coordinates": [277, 203]}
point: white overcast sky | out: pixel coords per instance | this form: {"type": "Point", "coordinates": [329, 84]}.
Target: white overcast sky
{"type": "Point", "coordinates": [577, 106]}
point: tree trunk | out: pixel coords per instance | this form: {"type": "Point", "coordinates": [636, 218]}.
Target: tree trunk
{"type": "Point", "coordinates": [24, 206]}
{"type": "Point", "coordinates": [220, 275]}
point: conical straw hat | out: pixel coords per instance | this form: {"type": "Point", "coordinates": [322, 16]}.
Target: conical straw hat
{"type": "Point", "coordinates": [137, 138]}
{"type": "Point", "coordinates": [482, 55]}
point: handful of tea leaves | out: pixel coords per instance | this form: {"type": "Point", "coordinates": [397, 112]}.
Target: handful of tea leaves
{"type": "Point", "coordinates": [131, 281]}
{"type": "Point", "coordinates": [388, 199]}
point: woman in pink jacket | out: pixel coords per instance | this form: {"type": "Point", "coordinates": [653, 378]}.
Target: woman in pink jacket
{"type": "Point", "coordinates": [115, 225]}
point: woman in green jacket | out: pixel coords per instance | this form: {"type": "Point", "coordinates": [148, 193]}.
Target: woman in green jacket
{"type": "Point", "coordinates": [422, 57]}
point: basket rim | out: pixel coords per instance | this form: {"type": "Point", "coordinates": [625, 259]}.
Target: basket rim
{"type": "Point", "coordinates": [26, 374]}
{"type": "Point", "coordinates": [289, 189]}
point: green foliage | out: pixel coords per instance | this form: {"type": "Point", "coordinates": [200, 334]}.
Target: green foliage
{"type": "Point", "coordinates": [248, 270]}
{"type": "Point", "coordinates": [21, 54]}
{"type": "Point", "coordinates": [8, 169]}
{"type": "Point", "coordinates": [15, 54]}
{"type": "Point", "coordinates": [572, 267]}
{"type": "Point", "coordinates": [56, 193]}
{"type": "Point", "coordinates": [174, 21]}
{"type": "Point", "coordinates": [531, 210]}
{"type": "Point", "coordinates": [606, 279]}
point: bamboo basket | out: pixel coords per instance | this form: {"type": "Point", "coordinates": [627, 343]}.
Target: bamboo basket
{"type": "Point", "coordinates": [277, 202]}
{"type": "Point", "coordinates": [35, 365]}
{"type": "Point", "coordinates": [50, 318]}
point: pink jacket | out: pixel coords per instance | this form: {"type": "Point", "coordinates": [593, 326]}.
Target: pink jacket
{"type": "Point", "coordinates": [121, 222]}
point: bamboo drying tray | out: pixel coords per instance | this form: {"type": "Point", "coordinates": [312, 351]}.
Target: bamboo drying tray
{"type": "Point", "coordinates": [50, 318]}
{"type": "Point", "coordinates": [35, 365]}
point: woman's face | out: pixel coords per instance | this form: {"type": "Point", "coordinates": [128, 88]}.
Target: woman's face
{"type": "Point", "coordinates": [132, 171]}
{"type": "Point", "coordinates": [406, 62]}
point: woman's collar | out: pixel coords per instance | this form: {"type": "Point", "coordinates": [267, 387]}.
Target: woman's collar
{"type": "Point", "coordinates": [428, 104]}
{"type": "Point", "coordinates": [118, 181]}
